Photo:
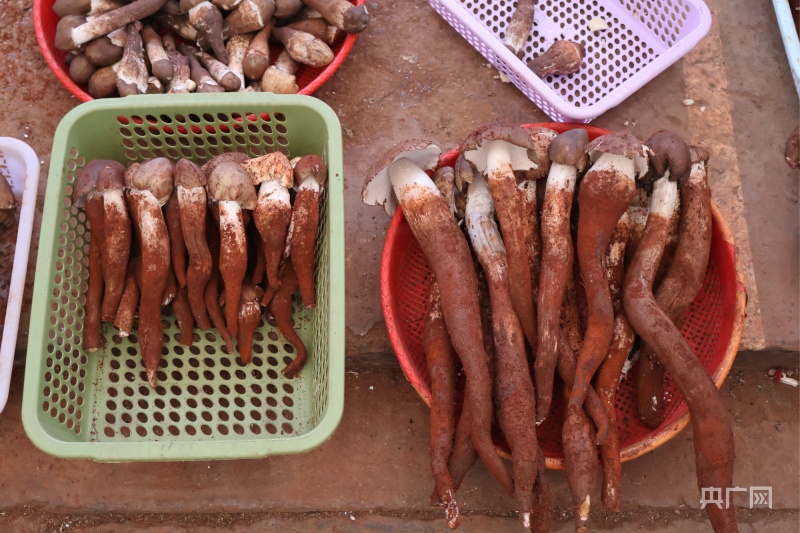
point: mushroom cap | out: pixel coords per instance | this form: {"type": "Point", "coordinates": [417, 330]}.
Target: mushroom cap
{"type": "Point", "coordinates": [211, 164]}
{"type": "Point", "coordinates": [63, 39]}
{"type": "Point", "coordinates": [111, 176]}
{"type": "Point", "coordinates": [311, 166]}
{"type": "Point", "coordinates": [621, 143]}
{"type": "Point", "coordinates": [378, 186]}
{"type": "Point", "coordinates": [445, 180]}
{"type": "Point", "coordinates": [188, 175]}
{"type": "Point", "coordinates": [669, 152]}
{"type": "Point", "coordinates": [464, 173]}
{"type": "Point", "coordinates": [154, 176]}
{"type": "Point", "coordinates": [274, 166]}
{"type": "Point", "coordinates": [230, 182]}
{"type": "Point", "coordinates": [699, 154]}
{"type": "Point", "coordinates": [86, 181]}
{"type": "Point", "coordinates": [569, 148]}
{"type": "Point", "coordinates": [518, 139]}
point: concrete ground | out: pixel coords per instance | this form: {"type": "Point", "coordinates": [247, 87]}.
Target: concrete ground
{"type": "Point", "coordinates": [411, 75]}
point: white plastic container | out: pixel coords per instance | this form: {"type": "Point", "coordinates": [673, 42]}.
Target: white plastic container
{"type": "Point", "coordinates": [20, 165]}
{"type": "Point", "coordinates": [783, 11]}
{"type": "Point", "coordinates": [643, 38]}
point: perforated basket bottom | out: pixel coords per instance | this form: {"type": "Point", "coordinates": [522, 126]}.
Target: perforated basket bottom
{"type": "Point", "coordinates": [201, 392]}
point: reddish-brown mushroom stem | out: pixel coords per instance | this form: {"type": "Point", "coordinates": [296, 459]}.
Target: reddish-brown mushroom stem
{"type": "Point", "coordinates": [192, 208]}
{"type": "Point", "coordinates": [281, 309]}
{"type": "Point", "coordinates": [177, 245]}
{"type": "Point", "coordinates": [274, 211]}
{"type": "Point", "coordinates": [256, 58]}
{"type": "Point", "coordinates": [514, 393]}
{"type": "Point", "coordinates": [183, 313]}
{"type": "Point", "coordinates": [608, 375]}
{"type": "Point", "coordinates": [259, 265]}
{"type": "Point", "coordinates": [713, 437]}
{"type": "Point", "coordinates": [92, 337]}
{"type": "Point", "coordinates": [230, 187]}
{"type": "Point", "coordinates": [400, 175]}
{"type": "Point", "coordinates": [604, 195]}
{"type": "Point", "coordinates": [149, 187]}
{"type": "Point", "coordinates": [581, 463]}
{"type": "Point", "coordinates": [563, 57]}
{"type": "Point", "coordinates": [170, 290]}
{"type": "Point", "coordinates": [567, 153]}
{"type": "Point", "coordinates": [129, 302]}
{"type": "Point", "coordinates": [441, 367]}
{"type": "Point", "coordinates": [543, 507]}
{"type": "Point", "coordinates": [311, 175]}
{"type": "Point", "coordinates": [211, 293]}
{"type": "Point", "coordinates": [497, 150]}
{"type": "Point", "coordinates": [249, 319]}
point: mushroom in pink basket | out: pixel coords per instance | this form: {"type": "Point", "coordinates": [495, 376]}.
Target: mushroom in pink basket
{"type": "Point", "coordinates": [399, 177]}
{"type": "Point", "coordinates": [563, 57]}
{"type": "Point", "coordinates": [74, 31]}
{"type": "Point", "coordinates": [520, 26]}
{"type": "Point", "coordinates": [149, 186]}
{"type": "Point", "coordinates": [229, 186]}
{"type": "Point", "coordinates": [342, 14]}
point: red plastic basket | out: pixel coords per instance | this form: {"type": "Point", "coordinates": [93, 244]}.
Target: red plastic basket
{"type": "Point", "coordinates": [712, 326]}
{"type": "Point", "coordinates": [45, 21]}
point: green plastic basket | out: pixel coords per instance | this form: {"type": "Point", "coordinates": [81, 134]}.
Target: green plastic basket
{"type": "Point", "coordinates": [207, 405]}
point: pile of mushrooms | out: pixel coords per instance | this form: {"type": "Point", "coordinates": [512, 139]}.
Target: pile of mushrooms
{"type": "Point", "coordinates": [199, 238]}
{"type": "Point", "coordinates": [118, 47]}
{"type": "Point", "coordinates": [624, 226]}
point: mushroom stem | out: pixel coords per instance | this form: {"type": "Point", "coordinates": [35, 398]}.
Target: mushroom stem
{"type": "Point", "coordinates": [132, 73]}
{"type": "Point", "coordinates": [281, 308]}
{"type": "Point", "coordinates": [71, 36]}
{"type": "Point", "coordinates": [160, 63]}
{"type": "Point", "coordinates": [183, 313]}
{"type": "Point", "coordinates": [249, 319]}
{"type": "Point", "coordinates": [520, 26]}
{"type": "Point", "coordinates": [237, 48]}
{"type": "Point", "coordinates": [280, 77]}
{"type": "Point", "coordinates": [249, 16]}
{"type": "Point", "coordinates": [310, 171]}
{"type": "Point", "coordinates": [232, 259]}
{"type": "Point", "coordinates": [177, 246]}
{"type": "Point", "coordinates": [319, 28]}
{"type": "Point", "coordinates": [116, 250]}
{"type": "Point", "coordinates": [219, 71]}
{"type": "Point", "coordinates": [207, 20]}
{"type": "Point", "coordinates": [272, 217]}
{"type": "Point", "coordinates": [304, 47]}
{"type": "Point", "coordinates": [342, 14]}
{"type": "Point", "coordinates": [126, 310]}
{"type": "Point", "coordinates": [256, 58]}
{"type": "Point", "coordinates": [211, 292]}
{"type": "Point", "coordinates": [92, 337]}
{"type": "Point", "coordinates": [515, 396]}
{"type": "Point", "coordinates": [202, 79]}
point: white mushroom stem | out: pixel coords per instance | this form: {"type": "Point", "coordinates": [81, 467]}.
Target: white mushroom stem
{"type": "Point", "coordinates": [664, 198]}
{"type": "Point", "coordinates": [561, 177]}
{"type": "Point", "coordinates": [483, 232]}
{"type": "Point", "coordinates": [500, 156]}
{"type": "Point", "coordinates": [409, 180]}
{"type": "Point", "coordinates": [115, 19]}
{"type": "Point", "coordinates": [237, 48]}
{"type": "Point", "coordinates": [615, 163]}
{"type": "Point", "coordinates": [273, 192]}
{"type": "Point", "coordinates": [230, 222]}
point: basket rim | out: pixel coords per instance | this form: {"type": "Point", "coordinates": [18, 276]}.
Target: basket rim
{"type": "Point", "coordinates": [570, 112]}
{"type": "Point", "coordinates": [629, 452]}
{"type": "Point", "coordinates": [184, 450]}
{"type": "Point", "coordinates": [59, 68]}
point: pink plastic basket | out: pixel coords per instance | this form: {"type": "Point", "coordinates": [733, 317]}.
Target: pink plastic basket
{"type": "Point", "coordinates": [643, 39]}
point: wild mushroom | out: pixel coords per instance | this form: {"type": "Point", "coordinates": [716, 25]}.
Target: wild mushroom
{"type": "Point", "coordinates": [311, 176]}
{"type": "Point", "coordinates": [179, 24]}
{"type": "Point", "coordinates": [230, 188]}
{"type": "Point", "coordinates": [103, 52]}
{"type": "Point", "coordinates": [181, 81]}
{"type": "Point", "coordinates": [605, 193]}
{"type": "Point", "coordinates": [792, 150]}
{"type": "Point", "coordinates": [514, 397]}
{"type": "Point", "coordinates": [400, 177]}
{"type": "Point", "coordinates": [342, 14]}
{"type": "Point", "coordinates": [177, 245]}
{"type": "Point", "coordinates": [160, 63]}
{"type": "Point", "coordinates": [713, 437]}
{"type": "Point", "coordinates": [183, 313]}
{"type": "Point", "coordinates": [203, 81]}
{"type": "Point", "coordinates": [440, 359]}
{"type": "Point", "coordinates": [211, 295]}
{"type": "Point", "coordinates": [280, 77]}
{"type": "Point", "coordinates": [86, 196]}
{"type": "Point", "coordinates": [155, 86]}
{"type": "Point", "coordinates": [103, 82]}
{"type": "Point", "coordinates": [249, 16]}
{"type": "Point", "coordinates": [190, 191]}
{"type": "Point", "coordinates": [520, 26]}
{"type": "Point", "coordinates": [568, 155]}
{"type": "Point", "coordinates": [563, 57]}
{"type": "Point", "coordinates": [237, 48]}
{"type": "Point", "coordinates": [81, 69]}
{"type": "Point", "coordinates": [319, 28]}
{"type": "Point", "coordinates": [219, 71]}
{"type": "Point", "coordinates": [74, 31]}
{"type": "Point", "coordinates": [256, 58]}
{"type": "Point", "coordinates": [497, 150]}
{"type": "Point", "coordinates": [149, 186]}
{"type": "Point", "coordinates": [132, 73]}
{"type": "Point", "coordinates": [207, 20]}
{"type": "Point", "coordinates": [249, 319]}
{"type": "Point", "coordinates": [232, 157]}
{"type": "Point", "coordinates": [273, 174]}
{"type": "Point", "coordinates": [285, 9]}
{"type": "Point", "coordinates": [64, 8]}
{"type": "Point", "coordinates": [304, 47]}
{"type": "Point", "coordinates": [280, 306]}
{"type": "Point", "coordinates": [129, 302]}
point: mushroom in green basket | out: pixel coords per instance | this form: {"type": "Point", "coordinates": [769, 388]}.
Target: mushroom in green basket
{"type": "Point", "coordinates": [273, 175]}
{"type": "Point", "coordinates": [74, 31]}
{"type": "Point", "coordinates": [249, 319]}
{"type": "Point", "coordinates": [498, 150]}
{"type": "Point", "coordinates": [342, 14]}
{"type": "Point", "coordinates": [311, 175]}
{"type": "Point", "coordinates": [304, 47]}
{"type": "Point", "coordinates": [250, 15]}
{"type": "Point", "coordinates": [230, 188]}
{"type": "Point", "coordinates": [400, 177]}
{"type": "Point", "coordinates": [132, 72]}
{"type": "Point", "coordinates": [149, 186]}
